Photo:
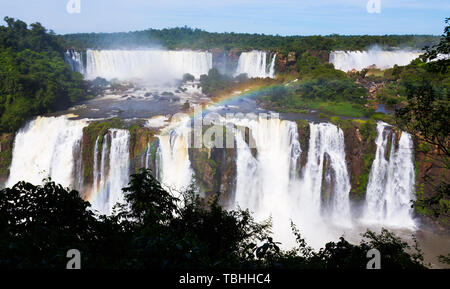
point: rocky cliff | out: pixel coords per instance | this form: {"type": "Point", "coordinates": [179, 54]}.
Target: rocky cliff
{"type": "Point", "coordinates": [6, 146]}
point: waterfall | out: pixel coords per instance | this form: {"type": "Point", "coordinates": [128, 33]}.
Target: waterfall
{"type": "Point", "coordinates": [47, 147]}
{"type": "Point", "coordinates": [148, 65]}
{"type": "Point", "coordinates": [358, 60]}
{"type": "Point", "coordinates": [269, 180]}
{"type": "Point", "coordinates": [173, 165]}
{"type": "Point", "coordinates": [112, 174]}
{"type": "Point", "coordinates": [148, 155]}
{"type": "Point", "coordinates": [264, 182]}
{"type": "Point", "coordinates": [254, 64]}
{"type": "Point", "coordinates": [73, 58]}
{"type": "Point", "coordinates": [272, 66]}
{"type": "Point", "coordinates": [326, 165]}
{"type": "Point", "coordinates": [391, 182]}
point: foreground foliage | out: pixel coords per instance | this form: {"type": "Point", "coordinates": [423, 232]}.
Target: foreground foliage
{"type": "Point", "coordinates": [155, 229]}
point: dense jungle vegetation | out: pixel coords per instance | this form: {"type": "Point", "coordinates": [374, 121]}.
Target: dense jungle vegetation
{"type": "Point", "coordinates": [34, 79]}
{"type": "Point", "coordinates": [157, 229]}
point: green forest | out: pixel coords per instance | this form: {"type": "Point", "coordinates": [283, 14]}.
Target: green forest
{"type": "Point", "coordinates": [34, 78]}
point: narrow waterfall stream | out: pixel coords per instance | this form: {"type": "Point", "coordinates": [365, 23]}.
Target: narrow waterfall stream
{"type": "Point", "coordinates": [112, 174]}
{"type": "Point", "coordinates": [391, 181]}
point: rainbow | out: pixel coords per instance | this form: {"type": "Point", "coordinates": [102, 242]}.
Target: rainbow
{"type": "Point", "coordinates": [232, 97]}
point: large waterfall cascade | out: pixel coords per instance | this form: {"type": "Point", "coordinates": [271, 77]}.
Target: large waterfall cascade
{"type": "Point", "coordinates": [358, 60]}
{"type": "Point", "coordinates": [148, 65]}
{"type": "Point", "coordinates": [269, 179]}
{"type": "Point", "coordinates": [174, 167]}
{"type": "Point", "coordinates": [254, 64]}
{"type": "Point", "coordinates": [111, 174]}
{"type": "Point", "coordinates": [326, 145]}
{"type": "Point", "coordinates": [273, 185]}
{"type": "Point", "coordinates": [155, 65]}
{"type": "Point", "coordinates": [391, 181]}
{"type": "Point", "coordinates": [47, 147]}
{"type": "Point", "coordinates": [264, 183]}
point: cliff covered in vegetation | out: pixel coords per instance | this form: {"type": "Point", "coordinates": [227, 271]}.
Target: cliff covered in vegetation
{"type": "Point", "coordinates": [34, 78]}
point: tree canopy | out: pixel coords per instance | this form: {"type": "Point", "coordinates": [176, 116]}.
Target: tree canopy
{"type": "Point", "coordinates": [190, 38]}
{"type": "Point", "coordinates": [34, 78]}
{"type": "Point", "coordinates": [154, 229]}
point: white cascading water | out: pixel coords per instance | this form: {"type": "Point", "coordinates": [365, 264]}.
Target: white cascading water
{"type": "Point", "coordinates": [269, 183]}
{"type": "Point", "coordinates": [112, 173]}
{"type": "Point", "coordinates": [326, 139]}
{"type": "Point", "coordinates": [254, 64]}
{"type": "Point", "coordinates": [46, 147]}
{"type": "Point", "coordinates": [147, 65]}
{"type": "Point", "coordinates": [358, 60]}
{"type": "Point", "coordinates": [391, 182]}
{"type": "Point", "coordinates": [264, 183]}
{"type": "Point", "coordinates": [174, 167]}
{"type": "Point", "coordinates": [148, 155]}
{"type": "Point", "coordinates": [73, 58]}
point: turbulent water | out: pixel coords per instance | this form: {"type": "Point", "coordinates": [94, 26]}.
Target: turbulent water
{"type": "Point", "coordinates": [75, 61]}
{"type": "Point", "coordinates": [147, 65]}
{"type": "Point", "coordinates": [325, 181]}
{"type": "Point", "coordinates": [174, 166]}
{"type": "Point", "coordinates": [47, 147]}
{"type": "Point", "coordinates": [254, 64]}
{"type": "Point", "coordinates": [391, 181]}
{"type": "Point", "coordinates": [271, 184]}
{"type": "Point", "coordinates": [270, 179]}
{"type": "Point", "coordinates": [264, 182]}
{"type": "Point", "coordinates": [358, 60]}
{"type": "Point", "coordinates": [111, 173]}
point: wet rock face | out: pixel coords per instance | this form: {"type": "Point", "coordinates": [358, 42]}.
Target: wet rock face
{"type": "Point", "coordinates": [143, 146]}
{"type": "Point", "coordinates": [215, 172]}
{"type": "Point", "coordinates": [285, 62]}
{"type": "Point", "coordinates": [303, 137]}
{"type": "Point", "coordinates": [281, 63]}
{"type": "Point", "coordinates": [327, 189]}
{"type": "Point", "coordinates": [140, 138]}
{"type": "Point", "coordinates": [226, 158]}
{"type": "Point", "coordinates": [360, 149]}
{"type": "Point", "coordinates": [291, 58]}
{"type": "Point", "coordinates": [6, 147]}
{"type": "Point", "coordinates": [328, 179]}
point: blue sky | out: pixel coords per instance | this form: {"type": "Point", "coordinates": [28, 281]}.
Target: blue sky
{"type": "Point", "coordinates": [283, 17]}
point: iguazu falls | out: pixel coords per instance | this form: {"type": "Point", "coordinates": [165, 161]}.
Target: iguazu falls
{"type": "Point", "coordinates": [232, 147]}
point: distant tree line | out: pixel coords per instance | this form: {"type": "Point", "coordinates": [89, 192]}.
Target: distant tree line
{"type": "Point", "coordinates": [189, 38]}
